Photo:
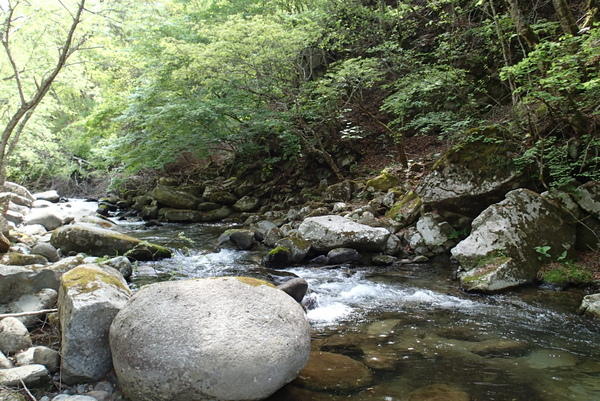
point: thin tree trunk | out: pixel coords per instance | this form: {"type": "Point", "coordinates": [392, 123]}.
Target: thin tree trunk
{"type": "Point", "coordinates": [10, 137]}
{"type": "Point", "coordinates": [593, 14]}
{"type": "Point", "coordinates": [521, 23]}
{"type": "Point", "coordinates": [567, 22]}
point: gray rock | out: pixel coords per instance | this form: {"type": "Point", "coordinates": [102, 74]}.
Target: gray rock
{"type": "Point", "coordinates": [5, 363]}
{"type": "Point", "coordinates": [298, 247]}
{"type": "Point", "coordinates": [97, 241]}
{"type": "Point", "coordinates": [41, 356]}
{"type": "Point", "coordinates": [180, 215]}
{"type": "Point", "coordinates": [240, 238]}
{"type": "Point", "coordinates": [66, 397]}
{"type": "Point", "coordinates": [16, 281]}
{"type": "Point", "coordinates": [272, 236]}
{"type": "Point", "coordinates": [49, 196]}
{"type": "Point", "coordinates": [340, 192]}
{"type": "Point", "coordinates": [261, 228]}
{"type": "Point", "coordinates": [31, 375]}
{"type": "Point", "coordinates": [14, 336]}
{"type": "Point", "coordinates": [42, 299]}
{"type": "Point", "coordinates": [278, 258]}
{"type": "Point", "coordinates": [296, 288]}
{"type": "Point", "coordinates": [15, 198]}
{"type": "Point", "coordinates": [46, 250]}
{"type": "Point", "coordinates": [122, 264]}
{"type": "Point", "coordinates": [329, 232]}
{"type": "Point", "coordinates": [223, 198]}
{"type": "Point", "coordinates": [501, 252]}
{"type": "Point", "coordinates": [172, 197]}
{"type": "Point", "coordinates": [89, 298]}
{"type": "Point", "coordinates": [247, 204]}
{"type": "Point", "coordinates": [16, 189]}
{"type": "Point", "coordinates": [590, 306]}
{"type": "Point", "coordinates": [343, 255]}
{"type": "Point", "coordinates": [46, 217]}
{"type": "Point", "coordinates": [218, 339]}
{"type": "Point", "coordinates": [217, 214]}
{"type": "Point", "coordinates": [588, 197]}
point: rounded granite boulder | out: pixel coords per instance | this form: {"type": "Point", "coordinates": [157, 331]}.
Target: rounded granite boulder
{"type": "Point", "coordinates": [226, 338]}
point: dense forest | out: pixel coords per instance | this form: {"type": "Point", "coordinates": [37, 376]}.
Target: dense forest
{"type": "Point", "coordinates": [101, 90]}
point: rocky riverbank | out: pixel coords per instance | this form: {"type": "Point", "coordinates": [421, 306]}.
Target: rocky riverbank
{"type": "Point", "coordinates": [493, 223]}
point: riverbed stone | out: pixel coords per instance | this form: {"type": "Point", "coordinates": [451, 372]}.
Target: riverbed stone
{"type": "Point", "coordinates": [46, 250]}
{"type": "Point", "coordinates": [326, 371]}
{"type": "Point", "coordinates": [174, 215]}
{"type": "Point", "coordinates": [438, 392]}
{"type": "Point", "coordinates": [238, 237]}
{"type": "Point", "coordinates": [247, 204]}
{"type": "Point", "coordinates": [46, 217]}
{"type": "Point", "coordinates": [590, 305]}
{"type": "Point", "coordinates": [328, 232]}
{"type": "Point", "coordinates": [15, 188]}
{"type": "Point", "coordinates": [89, 298]}
{"type": "Point", "coordinates": [228, 338]}
{"type": "Point", "coordinates": [31, 375]}
{"type": "Point", "coordinates": [298, 247]}
{"type": "Point", "coordinates": [22, 259]}
{"type": "Point", "coordinates": [16, 281]}
{"type": "Point", "coordinates": [295, 288]}
{"type": "Point", "coordinates": [14, 336]}
{"type": "Point", "coordinates": [5, 363]}
{"type": "Point", "coordinates": [343, 255]}
{"type": "Point", "coordinates": [277, 258]}
{"type": "Point", "coordinates": [501, 251]}
{"type": "Point", "coordinates": [40, 300]}
{"type": "Point", "coordinates": [40, 355]}
{"type": "Point", "coordinates": [97, 241]}
{"type": "Point", "coordinates": [467, 179]}
{"type": "Point", "coordinates": [172, 197]}
{"type": "Point", "coordinates": [217, 214]}
{"type": "Point", "coordinates": [49, 196]}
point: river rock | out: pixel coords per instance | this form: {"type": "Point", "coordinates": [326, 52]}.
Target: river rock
{"type": "Point", "coordinates": [383, 182]}
{"type": "Point", "coordinates": [46, 217]}
{"type": "Point", "coordinates": [438, 392]}
{"type": "Point", "coordinates": [295, 288]}
{"type": "Point", "coordinates": [328, 232]}
{"type": "Point", "coordinates": [16, 189]}
{"type": "Point", "coordinates": [16, 199]}
{"type": "Point", "coordinates": [22, 259]}
{"type": "Point", "coordinates": [31, 375]}
{"type": "Point", "coordinates": [469, 178]}
{"type": "Point", "coordinates": [180, 215]}
{"type": "Point", "coordinates": [590, 305]}
{"type": "Point", "coordinates": [241, 238]}
{"type": "Point", "coordinates": [328, 371]}
{"type": "Point", "coordinates": [588, 197]}
{"type": "Point", "coordinates": [16, 281]}
{"type": "Point", "coordinates": [298, 247]}
{"type": "Point", "coordinates": [97, 241]}
{"type": "Point", "coordinates": [14, 336]}
{"type": "Point", "coordinates": [217, 214]}
{"type": "Point", "coordinates": [89, 298]}
{"type": "Point", "coordinates": [340, 192]}
{"type": "Point", "coordinates": [46, 250]}
{"type": "Point", "coordinates": [40, 355]}
{"type": "Point", "coordinates": [223, 198]}
{"type": "Point", "coordinates": [122, 264]}
{"type": "Point", "coordinates": [4, 244]}
{"type": "Point", "coordinates": [172, 197]}
{"type": "Point", "coordinates": [500, 251]}
{"type": "Point", "coordinates": [50, 196]}
{"type": "Point", "coordinates": [208, 339]}
{"type": "Point", "coordinates": [247, 204]}
{"type": "Point", "coordinates": [343, 255]}
{"type": "Point", "coordinates": [40, 300]}
{"type": "Point", "coordinates": [278, 258]}
{"type": "Point", "coordinates": [5, 363]}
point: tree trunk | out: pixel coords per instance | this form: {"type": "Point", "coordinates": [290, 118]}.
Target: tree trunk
{"type": "Point", "coordinates": [11, 133]}
{"type": "Point", "coordinates": [567, 22]}
{"type": "Point", "coordinates": [521, 23]}
{"type": "Point", "coordinates": [593, 14]}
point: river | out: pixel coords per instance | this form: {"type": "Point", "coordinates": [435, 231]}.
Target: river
{"type": "Point", "coordinates": [412, 325]}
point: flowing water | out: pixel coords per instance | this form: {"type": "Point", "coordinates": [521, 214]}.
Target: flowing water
{"type": "Point", "coordinates": [414, 328]}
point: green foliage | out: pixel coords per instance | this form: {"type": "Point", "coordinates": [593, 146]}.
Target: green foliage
{"type": "Point", "coordinates": [432, 100]}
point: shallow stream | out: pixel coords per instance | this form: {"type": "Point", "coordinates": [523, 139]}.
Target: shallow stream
{"type": "Point", "coordinates": [413, 327]}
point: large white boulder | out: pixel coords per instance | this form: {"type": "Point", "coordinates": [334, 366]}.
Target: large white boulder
{"type": "Point", "coordinates": [502, 250]}
{"type": "Point", "coordinates": [328, 232]}
{"type": "Point", "coordinates": [89, 298]}
{"type": "Point", "coordinates": [227, 338]}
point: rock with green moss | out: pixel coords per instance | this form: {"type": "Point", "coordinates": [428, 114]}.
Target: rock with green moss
{"type": "Point", "coordinates": [223, 338]}
{"type": "Point", "coordinates": [22, 259]}
{"type": "Point", "coordinates": [472, 175]}
{"type": "Point", "coordinates": [238, 238]}
{"type": "Point", "coordinates": [383, 182]}
{"type": "Point", "coordinates": [298, 247]}
{"type": "Point", "coordinates": [97, 241]}
{"type": "Point", "coordinates": [89, 298]}
{"type": "Point", "coordinates": [217, 214]}
{"type": "Point", "coordinates": [502, 250]}
{"type": "Point", "coordinates": [590, 306]}
{"type": "Point", "coordinates": [180, 215]}
{"type": "Point", "coordinates": [406, 210]}
{"type": "Point", "coordinates": [278, 258]}
{"type": "Point", "coordinates": [175, 198]}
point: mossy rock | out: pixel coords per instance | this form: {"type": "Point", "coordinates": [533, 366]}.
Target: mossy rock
{"type": "Point", "coordinates": [406, 211]}
{"type": "Point", "coordinates": [383, 182]}
{"type": "Point", "coordinates": [278, 258]}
